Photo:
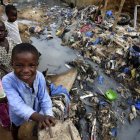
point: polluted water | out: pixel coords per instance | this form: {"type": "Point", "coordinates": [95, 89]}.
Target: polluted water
{"type": "Point", "coordinates": [53, 55]}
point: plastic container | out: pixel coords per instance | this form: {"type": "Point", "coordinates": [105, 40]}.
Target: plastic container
{"type": "Point", "coordinates": [111, 95]}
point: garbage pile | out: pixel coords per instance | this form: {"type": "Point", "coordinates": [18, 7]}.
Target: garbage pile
{"type": "Point", "coordinates": [97, 113]}
{"type": "Point", "coordinates": [117, 53]}
{"type": "Point", "coordinates": [92, 112]}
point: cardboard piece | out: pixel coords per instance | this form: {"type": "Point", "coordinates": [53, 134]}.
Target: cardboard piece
{"type": "Point", "coordinates": [66, 79]}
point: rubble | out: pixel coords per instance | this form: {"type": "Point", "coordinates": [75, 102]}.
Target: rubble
{"type": "Point", "coordinates": [110, 50]}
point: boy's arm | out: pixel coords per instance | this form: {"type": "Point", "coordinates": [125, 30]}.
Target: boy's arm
{"type": "Point", "coordinates": [44, 98]}
{"type": "Point", "coordinates": [16, 103]}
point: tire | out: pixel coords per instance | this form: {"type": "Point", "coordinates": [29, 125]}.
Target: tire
{"type": "Point", "coordinates": [125, 19]}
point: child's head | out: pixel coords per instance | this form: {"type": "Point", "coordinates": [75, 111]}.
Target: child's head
{"type": "Point", "coordinates": [11, 13]}
{"type": "Point", "coordinates": [3, 32]}
{"type": "Point", "coordinates": [24, 61]}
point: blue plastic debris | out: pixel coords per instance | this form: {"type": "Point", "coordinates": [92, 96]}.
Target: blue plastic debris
{"type": "Point", "coordinates": [109, 13]}
{"type": "Point", "coordinates": [89, 34]}
{"type": "Point", "coordinates": [113, 132]}
{"type": "Point", "coordinates": [137, 104]}
{"type": "Point", "coordinates": [98, 41]}
{"type": "Point", "coordinates": [103, 103]}
{"type": "Point", "coordinates": [100, 79]}
{"type": "Point", "coordinates": [69, 13]}
{"type": "Point", "coordinates": [130, 101]}
{"type": "Point", "coordinates": [126, 70]}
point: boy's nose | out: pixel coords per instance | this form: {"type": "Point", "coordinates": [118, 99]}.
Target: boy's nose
{"type": "Point", "coordinates": [26, 70]}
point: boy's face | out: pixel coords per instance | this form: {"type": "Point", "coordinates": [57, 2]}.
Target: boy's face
{"type": "Point", "coordinates": [12, 16]}
{"type": "Point", "coordinates": [2, 32]}
{"type": "Point", "coordinates": [25, 65]}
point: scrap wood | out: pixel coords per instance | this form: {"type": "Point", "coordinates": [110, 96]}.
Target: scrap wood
{"type": "Point", "coordinates": [71, 133]}
{"type": "Point", "coordinates": [67, 79]}
{"type": "Point", "coordinates": [117, 16]}
{"type": "Point", "coordinates": [104, 10]}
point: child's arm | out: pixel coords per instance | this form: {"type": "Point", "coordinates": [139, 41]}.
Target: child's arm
{"type": "Point", "coordinates": [45, 104]}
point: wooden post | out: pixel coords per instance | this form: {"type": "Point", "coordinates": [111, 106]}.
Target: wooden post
{"type": "Point", "coordinates": [99, 8]}
{"type": "Point", "coordinates": [104, 10]}
{"type": "Point", "coordinates": [117, 16]}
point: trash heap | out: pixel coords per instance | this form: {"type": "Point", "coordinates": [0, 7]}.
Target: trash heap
{"type": "Point", "coordinates": [117, 52]}
{"type": "Point", "coordinates": [97, 114]}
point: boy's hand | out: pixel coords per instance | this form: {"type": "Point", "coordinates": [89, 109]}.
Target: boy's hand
{"type": "Point", "coordinates": [44, 121]}
{"type": "Point", "coordinates": [47, 121]}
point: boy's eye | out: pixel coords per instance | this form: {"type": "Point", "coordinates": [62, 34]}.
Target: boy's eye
{"type": "Point", "coordinates": [33, 65]}
{"type": "Point", "coordinates": [18, 65]}
{"type": "Point", "coordinates": [22, 66]}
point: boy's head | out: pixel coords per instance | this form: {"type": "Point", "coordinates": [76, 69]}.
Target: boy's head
{"type": "Point", "coordinates": [3, 32]}
{"type": "Point", "coordinates": [24, 61]}
{"type": "Point", "coordinates": [11, 13]}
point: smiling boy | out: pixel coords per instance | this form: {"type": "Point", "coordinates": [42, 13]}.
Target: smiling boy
{"type": "Point", "coordinates": [26, 90]}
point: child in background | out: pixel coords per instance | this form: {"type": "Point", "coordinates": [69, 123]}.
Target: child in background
{"type": "Point", "coordinates": [26, 90]}
{"type": "Point", "coordinates": [11, 24]}
{"type": "Point", "coordinates": [6, 46]}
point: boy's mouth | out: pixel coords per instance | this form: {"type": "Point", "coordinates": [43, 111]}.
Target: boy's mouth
{"type": "Point", "coordinates": [25, 76]}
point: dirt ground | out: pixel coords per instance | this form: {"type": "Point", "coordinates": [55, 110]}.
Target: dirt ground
{"type": "Point", "coordinates": [32, 14]}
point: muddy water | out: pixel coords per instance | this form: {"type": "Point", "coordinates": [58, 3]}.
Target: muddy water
{"type": "Point", "coordinates": [130, 131]}
{"type": "Point", "coordinates": [48, 2]}
{"type": "Point", "coordinates": [127, 131]}
{"type": "Point", "coordinates": [54, 56]}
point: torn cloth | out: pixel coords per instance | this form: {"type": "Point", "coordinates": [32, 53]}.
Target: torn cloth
{"type": "Point", "coordinates": [58, 91]}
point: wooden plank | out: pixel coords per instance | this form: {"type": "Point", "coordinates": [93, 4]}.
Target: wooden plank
{"type": "Point", "coordinates": [118, 14]}
{"type": "Point", "coordinates": [67, 79]}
